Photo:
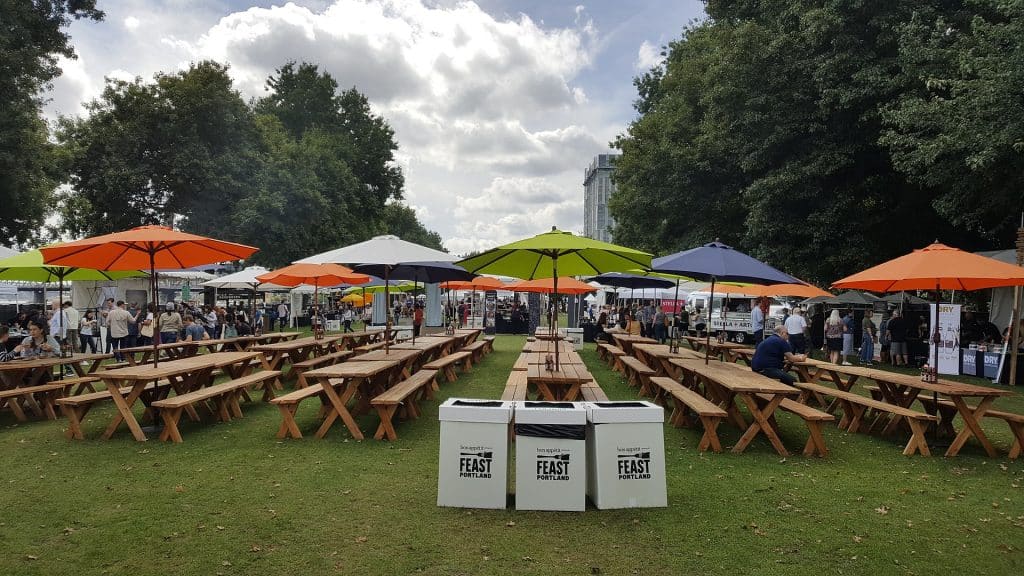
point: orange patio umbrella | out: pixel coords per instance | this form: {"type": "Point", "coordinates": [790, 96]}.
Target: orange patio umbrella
{"type": "Point", "coordinates": [801, 290]}
{"type": "Point", "coordinates": [935, 267]}
{"type": "Point", "coordinates": [566, 285]}
{"type": "Point", "coordinates": [315, 275]}
{"type": "Point", "coordinates": [145, 248]}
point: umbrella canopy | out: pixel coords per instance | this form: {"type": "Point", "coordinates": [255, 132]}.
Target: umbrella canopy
{"type": "Point", "coordinates": [426, 272]}
{"type": "Point", "coordinates": [566, 285]}
{"type": "Point", "coordinates": [904, 298]}
{"type": "Point", "coordinates": [316, 275]}
{"type": "Point", "coordinates": [145, 248]}
{"type": "Point", "coordinates": [717, 262]}
{"type": "Point", "coordinates": [797, 290]}
{"type": "Point", "coordinates": [358, 299]}
{"type": "Point", "coordinates": [556, 253]}
{"type": "Point", "coordinates": [29, 267]}
{"type": "Point", "coordinates": [387, 249]}
{"type": "Point", "coordinates": [244, 279]}
{"type": "Point", "coordinates": [848, 298]}
{"type": "Point", "coordinates": [722, 264]}
{"type": "Point", "coordinates": [935, 266]}
{"type": "Point", "coordinates": [485, 283]}
{"type": "Point", "coordinates": [371, 288]}
{"type": "Point", "coordinates": [622, 280]}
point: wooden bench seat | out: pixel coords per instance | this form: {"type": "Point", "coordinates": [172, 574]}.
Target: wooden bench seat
{"type": "Point", "coordinates": [592, 392]}
{"type": "Point", "coordinates": [612, 355]}
{"type": "Point", "coordinates": [288, 404]}
{"type": "Point", "coordinates": [406, 394]}
{"type": "Point", "coordinates": [515, 386]}
{"type": "Point", "coordinates": [224, 395]}
{"type": "Point", "coordinates": [76, 407]}
{"type": "Point", "coordinates": [637, 374]}
{"type": "Point", "coordinates": [116, 365]}
{"type": "Point", "coordinates": [447, 364]}
{"type": "Point", "coordinates": [369, 347]}
{"type": "Point", "coordinates": [855, 405]}
{"type": "Point", "coordinates": [331, 359]}
{"type": "Point", "coordinates": [476, 349]}
{"type": "Point", "coordinates": [40, 399]}
{"type": "Point", "coordinates": [812, 417]}
{"type": "Point", "coordinates": [686, 401]}
{"type": "Point", "coordinates": [1016, 423]}
{"type": "Point", "coordinates": [488, 344]}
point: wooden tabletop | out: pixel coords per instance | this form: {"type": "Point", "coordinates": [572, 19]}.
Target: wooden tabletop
{"type": "Point", "coordinates": [565, 373]}
{"type": "Point", "coordinates": [394, 353]}
{"type": "Point", "coordinates": [363, 369]}
{"type": "Point", "coordinates": [21, 364]}
{"type": "Point", "coordinates": [735, 378]}
{"type": "Point", "coordinates": [424, 343]}
{"type": "Point", "coordinates": [546, 346]}
{"type": "Point", "coordinates": [297, 343]}
{"type": "Point", "coordinates": [540, 358]}
{"type": "Point", "coordinates": [662, 351]}
{"type": "Point", "coordinates": [175, 367]}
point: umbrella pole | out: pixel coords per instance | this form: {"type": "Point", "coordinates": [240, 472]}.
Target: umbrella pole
{"type": "Point", "coordinates": [156, 307]}
{"type": "Point", "coordinates": [707, 329]}
{"type": "Point", "coordinates": [60, 310]}
{"type": "Point", "coordinates": [387, 309]}
{"type": "Point", "coordinates": [415, 302]}
{"type": "Point", "coordinates": [675, 316]}
{"type": "Point", "coordinates": [554, 316]}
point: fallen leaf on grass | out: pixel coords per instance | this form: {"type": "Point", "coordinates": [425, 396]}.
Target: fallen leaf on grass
{"type": "Point", "coordinates": [883, 510]}
{"type": "Point", "coordinates": [31, 557]}
{"type": "Point", "coordinates": [510, 524]}
{"type": "Point", "coordinates": [179, 488]}
{"type": "Point", "coordinates": [362, 539]}
{"type": "Point", "coordinates": [858, 539]}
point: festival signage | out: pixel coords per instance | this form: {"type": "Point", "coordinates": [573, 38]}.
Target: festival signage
{"type": "Point", "coordinates": [949, 338]}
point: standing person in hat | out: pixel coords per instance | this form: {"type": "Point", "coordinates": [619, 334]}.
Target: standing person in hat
{"type": "Point", "coordinates": [417, 319]}
{"type": "Point", "coordinates": [170, 324]}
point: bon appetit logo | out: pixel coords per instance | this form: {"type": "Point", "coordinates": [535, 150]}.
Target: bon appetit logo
{"type": "Point", "coordinates": [635, 464]}
{"type": "Point", "coordinates": [553, 464]}
{"type": "Point", "coordinates": [475, 461]}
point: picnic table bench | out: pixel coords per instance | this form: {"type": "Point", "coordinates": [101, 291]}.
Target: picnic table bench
{"type": "Point", "coordinates": [296, 351]}
{"type": "Point", "coordinates": [32, 371]}
{"type": "Point", "coordinates": [812, 418]}
{"type": "Point", "coordinates": [592, 392]}
{"type": "Point", "coordinates": [516, 386]}
{"type": "Point", "coordinates": [685, 401]}
{"type": "Point", "coordinates": [76, 407]}
{"type": "Point", "coordinates": [447, 364]}
{"type": "Point", "coordinates": [855, 405]}
{"type": "Point", "coordinates": [557, 385]}
{"type": "Point", "coordinates": [637, 374]}
{"type": "Point", "coordinates": [406, 395]}
{"type": "Point", "coordinates": [301, 368]}
{"type": "Point", "coordinates": [41, 398]}
{"type": "Point", "coordinates": [225, 396]}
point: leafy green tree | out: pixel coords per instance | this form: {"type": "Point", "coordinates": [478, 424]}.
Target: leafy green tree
{"type": "Point", "coordinates": [32, 36]}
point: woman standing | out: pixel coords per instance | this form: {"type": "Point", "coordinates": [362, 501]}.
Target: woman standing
{"type": "Point", "coordinates": [87, 329]}
{"type": "Point", "coordinates": [867, 339]}
{"type": "Point", "coordinates": [834, 336]}
{"type": "Point", "coordinates": [146, 325]}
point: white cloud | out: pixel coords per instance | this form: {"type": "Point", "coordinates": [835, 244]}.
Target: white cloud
{"type": "Point", "coordinates": [493, 125]}
{"type": "Point", "coordinates": [647, 57]}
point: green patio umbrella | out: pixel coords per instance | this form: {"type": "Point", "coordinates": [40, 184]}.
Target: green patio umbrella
{"type": "Point", "coordinates": [29, 267]}
{"type": "Point", "coordinates": [556, 253]}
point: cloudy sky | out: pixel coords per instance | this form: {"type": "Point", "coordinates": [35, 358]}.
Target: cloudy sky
{"type": "Point", "coordinates": [498, 106]}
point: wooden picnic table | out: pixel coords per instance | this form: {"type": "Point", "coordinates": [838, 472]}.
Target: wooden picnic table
{"type": "Point", "coordinates": [657, 356]}
{"type": "Point", "coordinates": [548, 346]}
{"type": "Point", "coordinates": [365, 378]}
{"type": "Point", "coordinates": [737, 355]}
{"type": "Point", "coordinates": [352, 340]}
{"type": "Point", "coordinates": [432, 347]}
{"type": "Point", "coordinates": [30, 372]}
{"type": "Point", "coordinates": [407, 357]}
{"type": "Point", "coordinates": [467, 335]}
{"type": "Point", "coordinates": [137, 355]}
{"type": "Point", "coordinates": [298, 350]}
{"type": "Point", "coordinates": [904, 389]}
{"type": "Point", "coordinates": [184, 375]}
{"type": "Point", "coordinates": [558, 385]}
{"type": "Point", "coordinates": [724, 382]}
{"type": "Point", "coordinates": [526, 359]}
{"type": "Point", "coordinates": [625, 341]}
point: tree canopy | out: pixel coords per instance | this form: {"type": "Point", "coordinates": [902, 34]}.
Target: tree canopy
{"type": "Point", "coordinates": [825, 136]}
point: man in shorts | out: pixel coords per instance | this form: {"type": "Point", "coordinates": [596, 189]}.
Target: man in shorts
{"type": "Point", "coordinates": [896, 333]}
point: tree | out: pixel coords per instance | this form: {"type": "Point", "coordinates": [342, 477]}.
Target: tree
{"type": "Point", "coordinates": [31, 37]}
{"type": "Point", "coordinates": [177, 151]}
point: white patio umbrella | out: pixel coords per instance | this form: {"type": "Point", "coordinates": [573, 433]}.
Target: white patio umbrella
{"type": "Point", "coordinates": [245, 279]}
{"type": "Point", "coordinates": [388, 251]}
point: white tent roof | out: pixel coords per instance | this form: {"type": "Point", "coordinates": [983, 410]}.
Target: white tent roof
{"type": "Point", "coordinates": [388, 250]}
{"type": "Point", "coordinates": [185, 275]}
{"type": "Point", "coordinates": [7, 252]}
{"type": "Point", "coordinates": [244, 280]}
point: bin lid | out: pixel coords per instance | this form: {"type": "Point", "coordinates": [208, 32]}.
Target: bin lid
{"type": "Point", "coordinates": [629, 411]}
{"type": "Point", "coordinates": [529, 412]}
{"type": "Point", "coordinates": [475, 410]}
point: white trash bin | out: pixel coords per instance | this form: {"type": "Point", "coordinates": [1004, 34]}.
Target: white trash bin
{"type": "Point", "coordinates": [576, 336]}
{"type": "Point", "coordinates": [473, 460]}
{"type": "Point", "coordinates": [551, 454]}
{"type": "Point", "coordinates": [626, 455]}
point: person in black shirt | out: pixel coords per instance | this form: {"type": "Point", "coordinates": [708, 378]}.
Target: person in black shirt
{"type": "Point", "coordinates": [772, 354]}
{"type": "Point", "coordinates": [897, 335]}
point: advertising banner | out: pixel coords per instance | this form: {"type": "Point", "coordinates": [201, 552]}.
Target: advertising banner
{"type": "Point", "coordinates": [949, 334]}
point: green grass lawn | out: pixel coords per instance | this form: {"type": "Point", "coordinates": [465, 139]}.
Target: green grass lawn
{"type": "Point", "coordinates": [232, 499]}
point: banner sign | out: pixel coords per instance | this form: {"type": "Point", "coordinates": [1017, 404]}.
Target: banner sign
{"type": "Point", "coordinates": [949, 334]}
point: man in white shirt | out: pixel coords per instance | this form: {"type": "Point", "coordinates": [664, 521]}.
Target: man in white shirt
{"type": "Point", "coordinates": [117, 324]}
{"type": "Point", "coordinates": [796, 325]}
{"type": "Point", "coordinates": [58, 321]}
{"type": "Point", "coordinates": [73, 318]}
{"type": "Point", "coordinates": [346, 317]}
{"type": "Point", "coordinates": [282, 315]}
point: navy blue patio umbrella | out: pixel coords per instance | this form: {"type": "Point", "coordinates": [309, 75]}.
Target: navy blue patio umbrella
{"type": "Point", "coordinates": [426, 272]}
{"type": "Point", "coordinates": [716, 262]}
{"type": "Point", "coordinates": [631, 281]}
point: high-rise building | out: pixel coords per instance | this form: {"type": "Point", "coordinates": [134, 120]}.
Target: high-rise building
{"type": "Point", "coordinates": [597, 189]}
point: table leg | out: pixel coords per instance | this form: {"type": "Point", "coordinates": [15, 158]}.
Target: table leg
{"type": "Point", "coordinates": [761, 424]}
{"type": "Point", "coordinates": [339, 407]}
{"type": "Point", "coordinates": [124, 410]}
{"type": "Point", "coordinates": [972, 419]}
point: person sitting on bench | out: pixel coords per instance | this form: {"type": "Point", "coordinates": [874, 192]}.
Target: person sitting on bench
{"type": "Point", "coordinates": [772, 353]}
